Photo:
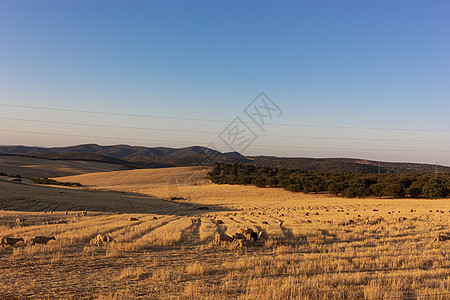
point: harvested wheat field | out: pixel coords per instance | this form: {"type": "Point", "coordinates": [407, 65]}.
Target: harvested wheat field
{"type": "Point", "coordinates": [39, 167]}
{"type": "Point", "coordinates": [307, 246]}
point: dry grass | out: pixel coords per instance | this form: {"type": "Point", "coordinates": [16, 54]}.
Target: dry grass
{"type": "Point", "coordinates": [171, 257]}
{"type": "Point", "coordinates": [313, 251]}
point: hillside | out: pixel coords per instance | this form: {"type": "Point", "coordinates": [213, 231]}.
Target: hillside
{"type": "Point", "coordinates": [343, 165]}
{"type": "Point", "coordinates": [163, 157]}
{"type": "Point", "coordinates": [132, 180]}
{"type": "Point", "coordinates": [32, 167]}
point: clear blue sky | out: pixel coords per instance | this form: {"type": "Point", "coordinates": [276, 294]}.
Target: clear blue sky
{"type": "Point", "coordinates": [342, 65]}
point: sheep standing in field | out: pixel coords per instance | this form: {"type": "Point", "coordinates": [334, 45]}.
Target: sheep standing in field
{"type": "Point", "coordinates": [8, 241]}
{"type": "Point", "coordinates": [239, 236]}
{"type": "Point", "coordinates": [254, 236]}
{"type": "Point", "coordinates": [195, 220]}
{"type": "Point", "coordinates": [222, 238]}
{"type": "Point", "coordinates": [20, 221]}
{"type": "Point", "coordinates": [41, 240]}
{"type": "Point", "coordinates": [101, 239]}
{"type": "Point", "coordinates": [241, 244]}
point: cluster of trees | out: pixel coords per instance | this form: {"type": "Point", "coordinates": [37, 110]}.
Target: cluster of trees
{"type": "Point", "coordinates": [349, 185]}
{"type": "Point", "coordinates": [54, 182]}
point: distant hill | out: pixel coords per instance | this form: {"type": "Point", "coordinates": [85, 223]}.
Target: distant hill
{"type": "Point", "coordinates": [344, 165]}
{"type": "Point", "coordinates": [161, 157]}
{"type": "Point", "coordinates": [130, 156]}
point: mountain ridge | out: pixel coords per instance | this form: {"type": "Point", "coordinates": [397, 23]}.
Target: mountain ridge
{"type": "Point", "coordinates": [159, 157]}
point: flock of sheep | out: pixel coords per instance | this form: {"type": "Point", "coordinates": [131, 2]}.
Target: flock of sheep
{"type": "Point", "coordinates": [100, 239]}
{"type": "Point", "coordinates": [240, 240]}
{"type": "Point", "coordinates": [10, 241]}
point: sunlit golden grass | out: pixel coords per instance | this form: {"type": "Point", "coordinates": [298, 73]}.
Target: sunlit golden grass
{"type": "Point", "coordinates": [317, 248]}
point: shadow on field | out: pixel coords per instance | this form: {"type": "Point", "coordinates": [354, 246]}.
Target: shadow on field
{"type": "Point", "coordinates": [39, 198]}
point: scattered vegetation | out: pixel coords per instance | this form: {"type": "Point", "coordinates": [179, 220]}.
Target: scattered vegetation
{"type": "Point", "coordinates": [350, 185]}
{"type": "Point", "coordinates": [54, 182]}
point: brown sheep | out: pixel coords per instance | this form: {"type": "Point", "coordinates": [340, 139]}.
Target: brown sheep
{"type": "Point", "coordinates": [20, 220]}
{"type": "Point", "coordinates": [133, 219]}
{"type": "Point", "coordinates": [241, 244]}
{"type": "Point", "coordinates": [8, 241]}
{"type": "Point", "coordinates": [254, 236]}
{"type": "Point", "coordinates": [239, 236]}
{"type": "Point", "coordinates": [249, 234]}
{"type": "Point", "coordinates": [101, 239]}
{"type": "Point", "coordinates": [219, 222]}
{"type": "Point", "coordinates": [41, 240]}
{"type": "Point", "coordinates": [195, 220]}
{"type": "Point", "coordinates": [222, 237]}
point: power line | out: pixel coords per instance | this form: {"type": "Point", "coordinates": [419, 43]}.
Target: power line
{"type": "Point", "coordinates": [197, 143]}
{"type": "Point", "coordinates": [214, 132]}
{"type": "Point", "coordinates": [222, 121]}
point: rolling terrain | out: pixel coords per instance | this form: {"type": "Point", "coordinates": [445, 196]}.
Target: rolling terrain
{"type": "Point", "coordinates": [164, 221]}
{"type": "Point", "coordinates": [160, 157]}
{"type": "Point", "coordinates": [31, 167]}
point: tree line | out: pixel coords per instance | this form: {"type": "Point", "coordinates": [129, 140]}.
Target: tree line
{"type": "Point", "coordinates": [344, 184]}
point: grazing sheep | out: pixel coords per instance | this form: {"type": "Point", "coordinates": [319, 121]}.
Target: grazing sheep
{"type": "Point", "coordinates": [133, 219]}
{"type": "Point", "coordinates": [241, 244]}
{"type": "Point", "coordinates": [219, 222]}
{"type": "Point", "coordinates": [8, 241]}
{"type": "Point", "coordinates": [195, 220]}
{"type": "Point", "coordinates": [247, 233]}
{"type": "Point", "coordinates": [265, 222]}
{"type": "Point", "coordinates": [41, 240]}
{"type": "Point", "coordinates": [239, 236]}
{"type": "Point", "coordinates": [101, 239]}
{"type": "Point", "coordinates": [222, 238]}
{"type": "Point", "coordinates": [155, 218]}
{"type": "Point", "coordinates": [20, 220]}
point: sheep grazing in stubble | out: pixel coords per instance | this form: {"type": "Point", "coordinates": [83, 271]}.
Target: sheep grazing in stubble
{"type": "Point", "coordinates": [242, 244]}
{"type": "Point", "coordinates": [238, 236]}
{"type": "Point", "coordinates": [20, 220]}
{"type": "Point", "coordinates": [101, 239]}
{"type": "Point", "coordinates": [133, 219]}
{"type": "Point", "coordinates": [8, 241]}
{"type": "Point", "coordinates": [221, 238]}
{"type": "Point", "coordinates": [195, 220]}
{"type": "Point", "coordinates": [41, 240]}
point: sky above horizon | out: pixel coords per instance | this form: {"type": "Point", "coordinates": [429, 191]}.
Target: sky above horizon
{"type": "Point", "coordinates": [357, 79]}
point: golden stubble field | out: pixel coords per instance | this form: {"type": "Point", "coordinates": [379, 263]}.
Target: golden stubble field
{"type": "Point", "coordinates": [318, 247]}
